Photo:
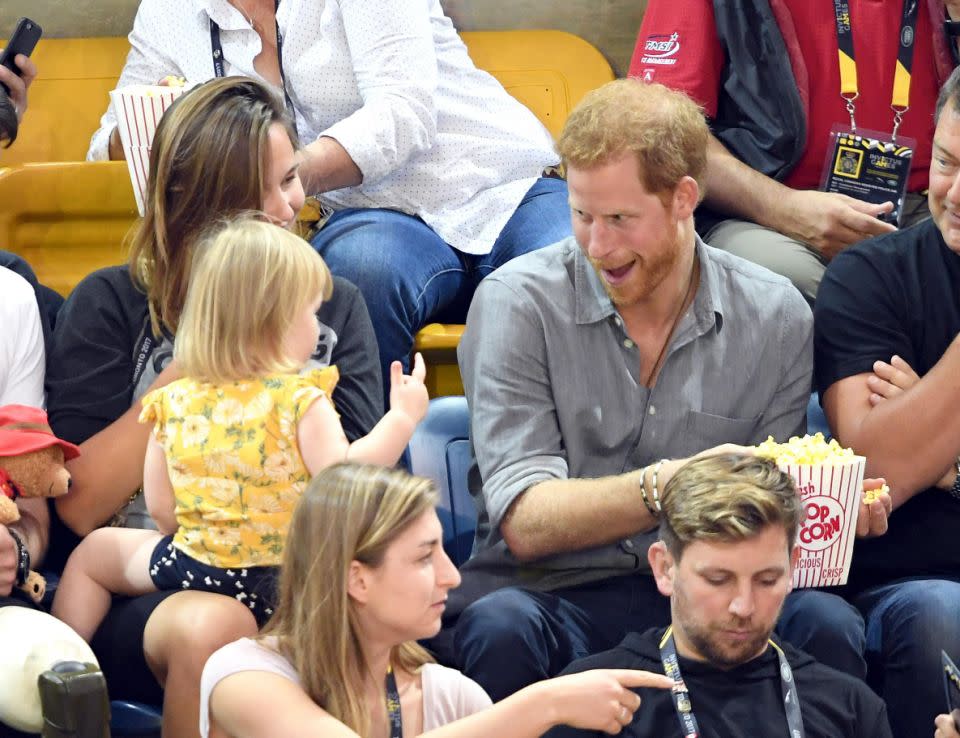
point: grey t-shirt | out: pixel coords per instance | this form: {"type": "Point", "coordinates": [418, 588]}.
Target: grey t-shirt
{"type": "Point", "coordinates": [552, 381]}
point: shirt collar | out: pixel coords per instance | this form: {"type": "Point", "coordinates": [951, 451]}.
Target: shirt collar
{"type": "Point", "coordinates": [593, 304]}
{"type": "Point", "coordinates": [222, 13]}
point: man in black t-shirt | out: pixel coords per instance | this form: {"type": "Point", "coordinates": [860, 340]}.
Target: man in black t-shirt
{"type": "Point", "coordinates": [725, 558]}
{"type": "Point", "coordinates": [888, 370]}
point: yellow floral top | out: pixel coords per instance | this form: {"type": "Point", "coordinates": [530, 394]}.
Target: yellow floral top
{"type": "Point", "coordinates": [233, 461]}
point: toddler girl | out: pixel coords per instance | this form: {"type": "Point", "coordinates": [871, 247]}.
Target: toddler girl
{"type": "Point", "coordinates": [237, 439]}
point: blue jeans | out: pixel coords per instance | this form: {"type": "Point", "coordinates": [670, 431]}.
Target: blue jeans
{"type": "Point", "coordinates": [513, 637]}
{"type": "Point", "coordinates": [907, 624]}
{"type": "Point", "coordinates": [410, 277]}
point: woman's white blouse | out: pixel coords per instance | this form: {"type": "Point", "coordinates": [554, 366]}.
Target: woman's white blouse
{"type": "Point", "coordinates": [448, 695]}
{"type": "Point", "coordinates": [391, 81]}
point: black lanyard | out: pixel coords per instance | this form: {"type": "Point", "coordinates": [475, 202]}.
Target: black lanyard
{"type": "Point", "coordinates": [681, 696]}
{"type": "Point", "coordinates": [393, 706]}
{"type": "Point", "coordinates": [849, 90]}
{"type": "Point", "coordinates": [217, 52]}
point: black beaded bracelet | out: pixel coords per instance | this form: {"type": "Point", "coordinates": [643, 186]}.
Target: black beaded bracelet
{"type": "Point", "coordinates": [23, 557]}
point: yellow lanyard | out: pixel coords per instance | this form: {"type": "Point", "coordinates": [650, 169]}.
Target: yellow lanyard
{"type": "Point", "coordinates": [849, 89]}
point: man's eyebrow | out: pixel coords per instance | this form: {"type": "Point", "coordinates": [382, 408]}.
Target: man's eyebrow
{"type": "Point", "coordinates": [712, 570]}
{"type": "Point", "coordinates": [940, 150]}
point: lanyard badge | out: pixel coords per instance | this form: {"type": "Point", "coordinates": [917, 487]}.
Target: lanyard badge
{"type": "Point", "coordinates": [868, 165]}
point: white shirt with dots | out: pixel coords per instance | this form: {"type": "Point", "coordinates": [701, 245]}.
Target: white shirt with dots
{"type": "Point", "coordinates": [391, 81]}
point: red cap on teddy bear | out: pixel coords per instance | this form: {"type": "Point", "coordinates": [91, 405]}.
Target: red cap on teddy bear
{"type": "Point", "coordinates": [24, 429]}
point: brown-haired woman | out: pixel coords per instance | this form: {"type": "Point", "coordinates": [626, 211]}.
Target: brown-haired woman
{"type": "Point", "coordinates": [364, 575]}
{"type": "Point", "coordinates": [222, 148]}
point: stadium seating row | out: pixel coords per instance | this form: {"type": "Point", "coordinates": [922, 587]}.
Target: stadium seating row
{"type": "Point", "coordinates": [67, 218]}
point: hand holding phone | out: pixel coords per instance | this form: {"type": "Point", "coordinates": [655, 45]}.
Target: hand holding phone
{"type": "Point", "coordinates": [23, 40]}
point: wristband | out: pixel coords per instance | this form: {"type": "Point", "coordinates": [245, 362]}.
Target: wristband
{"type": "Point", "coordinates": [951, 28]}
{"type": "Point", "coordinates": [643, 492]}
{"type": "Point", "coordinates": [23, 557]}
{"type": "Point", "coordinates": [656, 490]}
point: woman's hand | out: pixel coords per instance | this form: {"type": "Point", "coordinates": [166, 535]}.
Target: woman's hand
{"type": "Point", "coordinates": [600, 699]}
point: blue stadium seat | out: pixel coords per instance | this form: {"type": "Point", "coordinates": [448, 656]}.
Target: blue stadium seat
{"type": "Point", "coordinates": [440, 450]}
{"type": "Point", "coordinates": [816, 420]}
{"type": "Point", "coordinates": [134, 719]}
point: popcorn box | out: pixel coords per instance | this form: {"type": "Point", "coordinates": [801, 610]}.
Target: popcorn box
{"type": "Point", "coordinates": [830, 493]}
{"type": "Point", "coordinates": [139, 109]}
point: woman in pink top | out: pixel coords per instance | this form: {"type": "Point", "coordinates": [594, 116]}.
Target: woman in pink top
{"type": "Point", "coordinates": [364, 575]}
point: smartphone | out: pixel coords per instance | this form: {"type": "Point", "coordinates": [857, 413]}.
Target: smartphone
{"type": "Point", "coordinates": [22, 41]}
{"type": "Point", "coordinates": [951, 682]}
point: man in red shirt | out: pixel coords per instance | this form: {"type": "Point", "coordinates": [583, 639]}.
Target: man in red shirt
{"type": "Point", "coordinates": [768, 77]}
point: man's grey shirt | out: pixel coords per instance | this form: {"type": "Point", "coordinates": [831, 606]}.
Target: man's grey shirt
{"type": "Point", "coordinates": [553, 384]}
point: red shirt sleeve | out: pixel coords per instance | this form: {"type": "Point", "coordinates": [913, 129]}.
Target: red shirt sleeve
{"type": "Point", "coordinates": [678, 47]}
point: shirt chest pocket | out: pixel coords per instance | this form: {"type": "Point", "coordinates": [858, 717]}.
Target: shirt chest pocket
{"type": "Point", "coordinates": [704, 430]}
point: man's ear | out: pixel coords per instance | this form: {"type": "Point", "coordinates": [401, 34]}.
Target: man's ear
{"type": "Point", "coordinates": [686, 195]}
{"type": "Point", "coordinates": [662, 564]}
{"type": "Point", "coordinates": [358, 585]}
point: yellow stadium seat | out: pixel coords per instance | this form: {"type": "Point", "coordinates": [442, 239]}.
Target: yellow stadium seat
{"type": "Point", "coordinates": [70, 93]}
{"type": "Point", "coordinates": [66, 219]}
{"type": "Point", "coordinates": [438, 344]}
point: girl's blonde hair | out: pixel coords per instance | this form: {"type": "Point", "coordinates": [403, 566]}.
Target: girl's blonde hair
{"type": "Point", "coordinates": [249, 282]}
{"type": "Point", "coordinates": [207, 162]}
{"type": "Point", "coordinates": [348, 513]}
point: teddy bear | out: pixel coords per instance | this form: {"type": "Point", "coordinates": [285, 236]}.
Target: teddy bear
{"type": "Point", "coordinates": [31, 465]}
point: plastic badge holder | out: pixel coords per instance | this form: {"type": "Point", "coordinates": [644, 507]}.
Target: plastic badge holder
{"type": "Point", "coordinates": [139, 109]}
{"type": "Point", "coordinates": [830, 494]}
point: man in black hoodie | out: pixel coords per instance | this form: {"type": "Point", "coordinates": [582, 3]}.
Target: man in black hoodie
{"type": "Point", "coordinates": [725, 559]}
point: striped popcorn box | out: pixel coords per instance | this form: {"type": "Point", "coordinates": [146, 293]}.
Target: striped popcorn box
{"type": "Point", "coordinates": [139, 109]}
{"type": "Point", "coordinates": [830, 493]}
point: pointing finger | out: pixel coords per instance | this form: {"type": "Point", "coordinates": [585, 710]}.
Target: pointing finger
{"type": "Point", "coordinates": [636, 678]}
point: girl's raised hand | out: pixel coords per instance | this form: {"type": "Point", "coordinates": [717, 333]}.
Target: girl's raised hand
{"type": "Point", "coordinates": [408, 394]}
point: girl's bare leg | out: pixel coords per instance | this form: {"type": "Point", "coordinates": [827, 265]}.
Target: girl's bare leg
{"type": "Point", "coordinates": [108, 561]}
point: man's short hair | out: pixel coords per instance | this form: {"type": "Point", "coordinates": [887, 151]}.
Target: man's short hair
{"type": "Point", "coordinates": [949, 93]}
{"type": "Point", "coordinates": [665, 129]}
{"type": "Point", "coordinates": [726, 499]}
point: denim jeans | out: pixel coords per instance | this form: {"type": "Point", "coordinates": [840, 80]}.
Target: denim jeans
{"type": "Point", "coordinates": [907, 625]}
{"type": "Point", "coordinates": [513, 637]}
{"type": "Point", "coordinates": [410, 277]}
